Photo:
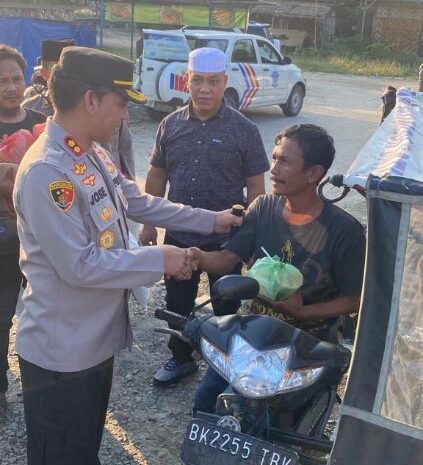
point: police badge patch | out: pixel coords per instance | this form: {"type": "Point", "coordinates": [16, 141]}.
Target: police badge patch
{"type": "Point", "coordinates": [106, 214]}
{"type": "Point", "coordinates": [107, 239]}
{"type": "Point", "coordinates": [62, 193]}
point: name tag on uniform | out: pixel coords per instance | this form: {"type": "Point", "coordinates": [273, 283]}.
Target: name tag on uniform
{"type": "Point", "coordinates": [117, 181]}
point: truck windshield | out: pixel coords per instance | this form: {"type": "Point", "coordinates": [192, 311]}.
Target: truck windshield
{"type": "Point", "coordinates": [259, 31]}
{"type": "Point", "coordinates": [165, 47]}
{"type": "Point", "coordinates": [195, 42]}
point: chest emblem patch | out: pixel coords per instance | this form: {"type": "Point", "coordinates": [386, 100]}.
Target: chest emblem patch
{"type": "Point", "coordinates": [79, 168]}
{"type": "Point", "coordinates": [288, 252]}
{"type": "Point", "coordinates": [62, 193]}
{"type": "Point", "coordinates": [110, 167]}
{"type": "Point", "coordinates": [107, 239]}
{"type": "Point", "coordinates": [101, 153]}
{"type": "Point", "coordinates": [71, 143]}
{"type": "Point", "coordinates": [106, 213]}
{"type": "Point", "coordinates": [89, 180]}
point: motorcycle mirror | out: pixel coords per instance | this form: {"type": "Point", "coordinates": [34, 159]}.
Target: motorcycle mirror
{"type": "Point", "coordinates": [235, 287]}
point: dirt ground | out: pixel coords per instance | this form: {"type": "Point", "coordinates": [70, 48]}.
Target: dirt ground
{"type": "Point", "coordinates": [145, 424]}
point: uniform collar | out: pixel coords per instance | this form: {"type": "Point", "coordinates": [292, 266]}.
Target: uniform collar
{"type": "Point", "coordinates": [65, 140]}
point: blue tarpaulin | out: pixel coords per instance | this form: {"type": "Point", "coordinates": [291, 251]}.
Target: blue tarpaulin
{"type": "Point", "coordinates": [26, 35]}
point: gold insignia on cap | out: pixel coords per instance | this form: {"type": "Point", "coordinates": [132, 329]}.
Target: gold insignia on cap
{"type": "Point", "coordinates": [135, 96]}
{"type": "Point", "coordinates": [116, 82]}
{"type": "Point", "coordinates": [107, 239]}
{"type": "Point", "coordinates": [79, 168]}
{"type": "Point", "coordinates": [71, 143]}
{"type": "Point", "coordinates": [106, 213]}
{"type": "Point", "coordinates": [89, 180]}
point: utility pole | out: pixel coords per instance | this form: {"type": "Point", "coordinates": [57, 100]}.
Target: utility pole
{"type": "Point", "coordinates": [132, 27]}
{"type": "Point", "coordinates": [101, 11]}
{"type": "Point", "coordinates": [365, 7]}
{"type": "Point", "coordinates": [315, 25]}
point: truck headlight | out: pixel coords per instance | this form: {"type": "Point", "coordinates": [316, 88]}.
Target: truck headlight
{"type": "Point", "coordinates": [257, 373]}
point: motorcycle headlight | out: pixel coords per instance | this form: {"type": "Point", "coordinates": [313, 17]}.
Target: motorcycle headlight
{"type": "Point", "coordinates": [257, 373]}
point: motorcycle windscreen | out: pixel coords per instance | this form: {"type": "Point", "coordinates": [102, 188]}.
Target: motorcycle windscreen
{"type": "Point", "coordinates": [382, 409]}
{"type": "Point", "coordinates": [403, 397]}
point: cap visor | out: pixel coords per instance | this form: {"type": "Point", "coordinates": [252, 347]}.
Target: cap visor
{"type": "Point", "coordinates": [134, 96]}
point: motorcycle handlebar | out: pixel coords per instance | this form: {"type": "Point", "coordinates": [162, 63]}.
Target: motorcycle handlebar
{"type": "Point", "coordinates": [336, 180]}
{"type": "Point", "coordinates": [178, 321]}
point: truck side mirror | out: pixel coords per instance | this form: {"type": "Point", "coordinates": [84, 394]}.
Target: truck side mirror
{"type": "Point", "coordinates": [287, 60]}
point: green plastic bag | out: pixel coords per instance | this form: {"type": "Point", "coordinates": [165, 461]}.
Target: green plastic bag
{"type": "Point", "coordinates": [278, 280]}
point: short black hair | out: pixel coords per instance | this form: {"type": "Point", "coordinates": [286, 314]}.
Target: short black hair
{"type": "Point", "coordinates": [65, 92]}
{"type": "Point", "coordinates": [10, 53]}
{"type": "Point", "coordinates": [316, 145]}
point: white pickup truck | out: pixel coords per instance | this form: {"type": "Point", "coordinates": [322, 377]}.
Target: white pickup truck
{"type": "Point", "coordinates": [258, 75]}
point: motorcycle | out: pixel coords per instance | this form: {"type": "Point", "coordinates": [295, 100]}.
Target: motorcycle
{"type": "Point", "coordinates": [282, 385]}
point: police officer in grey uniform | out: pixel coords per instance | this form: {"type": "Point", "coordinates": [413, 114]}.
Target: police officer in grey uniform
{"type": "Point", "coordinates": [72, 204]}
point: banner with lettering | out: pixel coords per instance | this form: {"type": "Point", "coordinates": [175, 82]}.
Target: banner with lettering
{"type": "Point", "coordinates": [176, 15]}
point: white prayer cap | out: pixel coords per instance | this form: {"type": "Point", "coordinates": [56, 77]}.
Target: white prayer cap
{"type": "Point", "coordinates": [206, 60]}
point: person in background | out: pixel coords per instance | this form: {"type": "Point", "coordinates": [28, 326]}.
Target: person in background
{"type": "Point", "coordinates": [120, 146]}
{"type": "Point", "coordinates": [208, 152]}
{"type": "Point", "coordinates": [12, 118]}
{"type": "Point", "coordinates": [50, 54]}
{"type": "Point", "coordinates": [320, 239]}
{"type": "Point", "coordinates": [38, 83]}
{"type": "Point", "coordinates": [72, 205]}
{"type": "Point", "coordinates": [139, 46]}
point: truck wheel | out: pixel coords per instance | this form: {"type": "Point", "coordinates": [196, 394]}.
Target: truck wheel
{"type": "Point", "coordinates": [231, 100]}
{"type": "Point", "coordinates": [295, 101]}
{"type": "Point", "coordinates": [155, 115]}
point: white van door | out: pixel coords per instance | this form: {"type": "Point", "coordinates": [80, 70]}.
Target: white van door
{"type": "Point", "coordinates": [162, 48]}
{"type": "Point", "coordinates": [275, 74]}
{"type": "Point", "coordinates": [245, 74]}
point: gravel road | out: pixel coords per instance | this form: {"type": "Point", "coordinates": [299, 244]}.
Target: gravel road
{"type": "Point", "coordinates": [145, 424]}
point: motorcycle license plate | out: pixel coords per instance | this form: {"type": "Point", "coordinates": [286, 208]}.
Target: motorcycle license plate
{"type": "Point", "coordinates": [209, 444]}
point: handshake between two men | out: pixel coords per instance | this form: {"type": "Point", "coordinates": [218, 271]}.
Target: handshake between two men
{"type": "Point", "coordinates": [179, 263]}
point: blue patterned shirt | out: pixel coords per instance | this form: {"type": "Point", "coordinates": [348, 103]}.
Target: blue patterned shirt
{"type": "Point", "coordinates": [207, 162]}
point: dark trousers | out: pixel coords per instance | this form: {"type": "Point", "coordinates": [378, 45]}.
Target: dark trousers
{"type": "Point", "coordinates": [181, 295]}
{"type": "Point", "coordinates": [211, 386]}
{"type": "Point", "coordinates": [65, 413]}
{"type": "Point", "coordinates": [10, 285]}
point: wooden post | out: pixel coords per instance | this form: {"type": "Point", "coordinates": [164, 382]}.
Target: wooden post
{"type": "Point", "coordinates": [315, 26]}
{"type": "Point", "coordinates": [363, 21]}
{"type": "Point", "coordinates": [132, 27]}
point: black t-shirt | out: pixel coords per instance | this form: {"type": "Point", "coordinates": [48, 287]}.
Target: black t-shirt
{"type": "Point", "coordinates": [31, 119]}
{"type": "Point", "coordinates": [329, 252]}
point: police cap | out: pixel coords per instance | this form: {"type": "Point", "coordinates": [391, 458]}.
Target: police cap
{"type": "Point", "coordinates": [51, 49]}
{"type": "Point", "coordinates": [100, 68]}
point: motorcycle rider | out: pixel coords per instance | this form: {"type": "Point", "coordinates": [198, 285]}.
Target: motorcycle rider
{"type": "Point", "coordinates": [324, 242]}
